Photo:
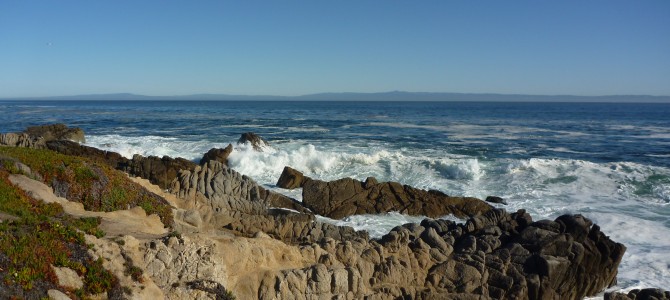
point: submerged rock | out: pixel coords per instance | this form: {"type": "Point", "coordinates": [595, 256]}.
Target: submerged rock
{"type": "Point", "coordinates": [255, 140]}
{"type": "Point", "coordinates": [496, 199]}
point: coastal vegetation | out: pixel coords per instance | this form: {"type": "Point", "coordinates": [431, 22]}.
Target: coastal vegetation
{"type": "Point", "coordinates": [93, 183]}
{"type": "Point", "coordinates": [34, 236]}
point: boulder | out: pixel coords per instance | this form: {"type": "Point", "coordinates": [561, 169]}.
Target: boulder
{"type": "Point", "coordinates": [160, 171]}
{"type": "Point", "coordinates": [291, 179]}
{"type": "Point", "coordinates": [496, 199]}
{"type": "Point", "coordinates": [217, 154]}
{"type": "Point", "coordinates": [57, 132]}
{"type": "Point", "coordinates": [345, 197]}
{"type": "Point", "coordinates": [255, 140]}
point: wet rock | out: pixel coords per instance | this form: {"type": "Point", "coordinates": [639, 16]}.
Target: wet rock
{"type": "Point", "coordinates": [345, 197]}
{"type": "Point", "coordinates": [291, 179]}
{"type": "Point", "coordinates": [496, 199]}
{"type": "Point", "coordinates": [255, 140]}
{"type": "Point", "coordinates": [217, 154]}
{"type": "Point", "coordinates": [639, 294]}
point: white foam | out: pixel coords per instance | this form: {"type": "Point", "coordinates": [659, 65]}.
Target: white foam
{"type": "Point", "coordinates": [379, 225]}
{"type": "Point", "coordinates": [152, 145]}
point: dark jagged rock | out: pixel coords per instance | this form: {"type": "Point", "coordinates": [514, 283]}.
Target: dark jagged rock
{"type": "Point", "coordinates": [255, 140]}
{"type": "Point", "coordinates": [217, 154]}
{"type": "Point", "coordinates": [489, 257]}
{"type": "Point", "coordinates": [113, 159]}
{"type": "Point", "coordinates": [159, 171]}
{"type": "Point", "coordinates": [639, 294]}
{"type": "Point", "coordinates": [496, 199]}
{"type": "Point", "coordinates": [291, 179]}
{"type": "Point", "coordinates": [57, 132]}
{"type": "Point", "coordinates": [345, 197]}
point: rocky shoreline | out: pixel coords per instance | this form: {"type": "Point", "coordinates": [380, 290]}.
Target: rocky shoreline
{"type": "Point", "coordinates": [236, 237]}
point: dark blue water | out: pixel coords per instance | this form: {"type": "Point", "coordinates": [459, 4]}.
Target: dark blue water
{"type": "Point", "coordinates": [599, 132]}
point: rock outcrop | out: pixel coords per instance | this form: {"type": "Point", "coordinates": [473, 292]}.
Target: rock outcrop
{"type": "Point", "coordinates": [38, 136]}
{"type": "Point", "coordinates": [255, 140]}
{"type": "Point", "coordinates": [224, 198]}
{"type": "Point", "coordinates": [291, 179]}
{"type": "Point", "coordinates": [639, 294]}
{"type": "Point", "coordinates": [217, 154]}
{"type": "Point", "coordinates": [496, 255]}
{"type": "Point", "coordinates": [21, 140]}
{"type": "Point", "coordinates": [160, 171]}
{"type": "Point", "coordinates": [345, 197]}
{"type": "Point", "coordinates": [54, 132]}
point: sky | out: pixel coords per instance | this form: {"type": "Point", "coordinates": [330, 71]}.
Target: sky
{"type": "Point", "coordinates": [54, 48]}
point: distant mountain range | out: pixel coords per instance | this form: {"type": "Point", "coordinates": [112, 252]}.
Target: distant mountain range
{"type": "Point", "coordinates": [386, 96]}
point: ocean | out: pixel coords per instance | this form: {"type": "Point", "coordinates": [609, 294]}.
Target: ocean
{"type": "Point", "coordinates": [607, 161]}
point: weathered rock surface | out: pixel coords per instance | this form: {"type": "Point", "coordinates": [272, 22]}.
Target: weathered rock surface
{"type": "Point", "coordinates": [639, 294]}
{"type": "Point", "coordinates": [345, 197]}
{"type": "Point", "coordinates": [21, 140]}
{"type": "Point", "coordinates": [291, 179]}
{"type": "Point", "coordinates": [255, 140]}
{"type": "Point", "coordinates": [217, 154]}
{"type": "Point", "coordinates": [38, 136]}
{"type": "Point", "coordinates": [496, 255]}
{"type": "Point", "coordinates": [160, 171]}
{"type": "Point", "coordinates": [225, 198]}
{"type": "Point", "coordinates": [68, 278]}
{"type": "Point", "coordinates": [53, 132]}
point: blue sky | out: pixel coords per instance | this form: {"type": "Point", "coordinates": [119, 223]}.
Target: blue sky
{"type": "Point", "coordinates": [50, 48]}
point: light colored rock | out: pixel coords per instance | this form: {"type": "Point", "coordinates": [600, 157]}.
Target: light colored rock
{"type": "Point", "coordinates": [57, 295]}
{"type": "Point", "coordinates": [192, 217]}
{"type": "Point", "coordinates": [68, 278]}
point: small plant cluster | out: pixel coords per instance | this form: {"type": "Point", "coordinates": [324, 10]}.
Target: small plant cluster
{"type": "Point", "coordinates": [94, 184]}
{"type": "Point", "coordinates": [43, 236]}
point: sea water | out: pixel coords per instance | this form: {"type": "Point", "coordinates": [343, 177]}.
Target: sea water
{"type": "Point", "coordinates": [607, 161]}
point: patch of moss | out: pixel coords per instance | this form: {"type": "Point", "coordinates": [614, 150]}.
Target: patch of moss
{"type": "Point", "coordinates": [94, 184]}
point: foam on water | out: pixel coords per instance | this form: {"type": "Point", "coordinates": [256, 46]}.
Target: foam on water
{"type": "Point", "coordinates": [379, 225]}
{"type": "Point", "coordinates": [152, 145]}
